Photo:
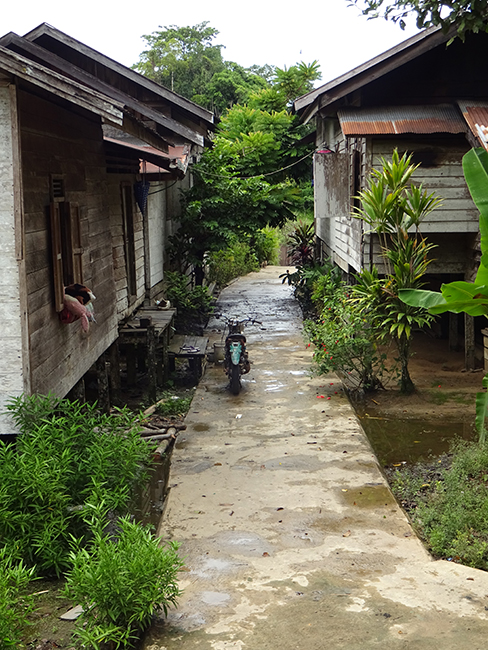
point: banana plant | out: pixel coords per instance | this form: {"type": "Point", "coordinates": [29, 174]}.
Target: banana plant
{"type": "Point", "coordinates": [468, 297]}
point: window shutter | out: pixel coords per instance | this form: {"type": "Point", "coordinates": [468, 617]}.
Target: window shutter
{"type": "Point", "coordinates": [57, 256]}
{"type": "Point", "coordinates": [73, 212]}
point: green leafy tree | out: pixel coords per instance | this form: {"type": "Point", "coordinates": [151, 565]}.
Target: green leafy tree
{"type": "Point", "coordinates": [183, 59]}
{"type": "Point", "coordinates": [186, 60]}
{"type": "Point", "coordinates": [466, 15]}
{"type": "Point", "coordinates": [232, 85]}
{"type": "Point", "coordinates": [391, 206]}
{"type": "Point", "coordinates": [286, 84]}
{"type": "Point", "coordinates": [249, 179]}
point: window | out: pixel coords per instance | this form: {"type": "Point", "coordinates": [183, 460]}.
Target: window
{"type": "Point", "coordinates": [66, 241]}
{"type": "Point", "coordinates": [129, 239]}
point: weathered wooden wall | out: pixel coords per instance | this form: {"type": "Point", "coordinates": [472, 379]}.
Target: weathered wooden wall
{"type": "Point", "coordinates": [12, 341]}
{"type": "Point", "coordinates": [157, 237]}
{"type": "Point", "coordinates": [126, 302]}
{"type": "Point", "coordinates": [56, 140]}
{"type": "Point", "coordinates": [340, 233]}
{"type": "Point", "coordinates": [442, 173]}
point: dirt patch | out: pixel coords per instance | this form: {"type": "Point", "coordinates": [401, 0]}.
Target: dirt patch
{"type": "Point", "coordinates": [444, 390]}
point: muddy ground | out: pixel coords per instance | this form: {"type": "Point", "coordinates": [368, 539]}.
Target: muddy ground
{"type": "Point", "coordinates": [443, 388]}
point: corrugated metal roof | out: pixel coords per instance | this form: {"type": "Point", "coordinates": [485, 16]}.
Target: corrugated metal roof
{"type": "Point", "coordinates": [476, 115]}
{"type": "Point", "coordinates": [401, 119]}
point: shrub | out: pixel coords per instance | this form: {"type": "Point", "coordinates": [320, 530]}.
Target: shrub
{"type": "Point", "coordinates": [266, 244]}
{"type": "Point", "coordinates": [451, 512]}
{"type": "Point", "coordinates": [192, 302]}
{"type": "Point", "coordinates": [120, 581]}
{"type": "Point", "coordinates": [304, 280]}
{"type": "Point", "coordinates": [67, 456]}
{"type": "Point", "coordinates": [232, 262]}
{"type": "Point", "coordinates": [14, 607]}
{"type": "Point", "coordinates": [344, 340]}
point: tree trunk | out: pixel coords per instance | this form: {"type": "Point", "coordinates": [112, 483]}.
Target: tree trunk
{"type": "Point", "coordinates": [199, 268]}
{"type": "Point", "coordinates": [406, 384]}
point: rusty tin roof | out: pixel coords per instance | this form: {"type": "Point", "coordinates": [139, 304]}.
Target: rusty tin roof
{"type": "Point", "coordinates": [401, 119]}
{"type": "Point", "coordinates": [476, 115]}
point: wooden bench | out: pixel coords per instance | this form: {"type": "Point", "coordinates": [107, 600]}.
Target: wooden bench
{"type": "Point", "coordinates": [193, 348]}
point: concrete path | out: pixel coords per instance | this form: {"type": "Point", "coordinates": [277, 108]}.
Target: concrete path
{"type": "Point", "coordinates": [291, 537]}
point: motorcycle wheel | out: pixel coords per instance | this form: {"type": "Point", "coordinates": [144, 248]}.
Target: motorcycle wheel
{"type": "Point", "coordinates": [235, 381]}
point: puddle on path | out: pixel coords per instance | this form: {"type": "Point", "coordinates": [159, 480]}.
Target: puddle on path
{"type": "Point", "coordinates": [411, 441]}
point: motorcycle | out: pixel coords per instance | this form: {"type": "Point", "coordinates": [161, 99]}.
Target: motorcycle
{"type": "Point", "coordinates": [236, 358]}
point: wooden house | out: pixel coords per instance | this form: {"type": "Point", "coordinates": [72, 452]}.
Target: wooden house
{"type": "Point", "coordinates": [427, 97]}
{"type": "Point", "coordinates": [93, 156]}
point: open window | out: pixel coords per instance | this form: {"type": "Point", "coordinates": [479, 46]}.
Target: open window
{"type": "Point", "coordinates": [66, 241]}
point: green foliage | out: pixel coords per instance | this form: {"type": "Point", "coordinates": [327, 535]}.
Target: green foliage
{"type": "Point", "coordinates": [232, 262]}
{"type": "Point", "coordinates": [391, 206]}
{"type": "Point", "coordinates": [15, 606]}
{"type": "Point", "coordinates": [451, 511]}
{"type": "Point", "coordinates": [304, 280]}
{"type": "Point", "coordinates": [301, 243]}
{"type": "Point", "coordinates": [265, 244]}
{"type": "Point", "coordinates": [182, 58]}
{"type": "Point", "coordinates": [120, 580]}
{"type": "Point", "coordinates": [174, 405]}
{"type": "Point", "coordinates": [232, 85]}
{"type": "Point", "coordinates": [286, 85]}
{"type": "Point", "coordinates": [68, 455]}
{"type": "Point", "coordinates": [192, 302]}
{"type": "Point", "coordinates": [344, 338]}
{"type": "Point", "coordinates": [468, 297]}
{"type": "Point", "coordinates": [465, 15]}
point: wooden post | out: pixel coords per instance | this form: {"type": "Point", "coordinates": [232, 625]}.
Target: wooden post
{"type": "Point", "coordinates": [114, 374]}
{"type": "Point", "coordinates": [102, 381]}
{"type": "Point", "coordinates": [469, 348]}
{"type": "Point", "coordinates": [485, 349]}
{"type": "Point", "coordinates": [77, 393]}
{"type": "Point", "coordinates": [453, 332]}
{"type": "Point", "coordinates": [152, 362]}
{"type": "Point", "coordinates": [130, 356]}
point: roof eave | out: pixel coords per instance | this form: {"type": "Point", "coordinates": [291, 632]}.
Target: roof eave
{"type": "Point", "coordinates": [308, 105]}
{"type": "Point", "coordinates": [181, 102]}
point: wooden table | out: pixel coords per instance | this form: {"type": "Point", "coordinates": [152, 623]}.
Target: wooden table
{"type": "Point", "coordinates": [193, 348]}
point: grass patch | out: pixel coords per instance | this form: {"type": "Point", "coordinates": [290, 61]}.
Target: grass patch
{"type": "Point", "coordinates": [447, 501]}
{"type": "Point", "coordinates": [174, 405]}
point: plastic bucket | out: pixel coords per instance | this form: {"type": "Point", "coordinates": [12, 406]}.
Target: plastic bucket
{"type": "Point", "coordinates": [219, 352]}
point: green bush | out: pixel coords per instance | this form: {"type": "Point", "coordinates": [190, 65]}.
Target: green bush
{"type": "Point", "coordinates": [68, 455]}
{"type": "Point", "coordinates": [193, 303]}
{"type": "Point", "coordinates": [266, 245]}
{"type": "Point", "coordinates": [121, 580]}
{"type": "Point", "coordinates": [232, 262]}
{"type": "Point", "coordinates": [14, 607]}
{"type": "Point", "coordinates": [451, 512]}
{"type": "Point", "coordinates": [344, 340]}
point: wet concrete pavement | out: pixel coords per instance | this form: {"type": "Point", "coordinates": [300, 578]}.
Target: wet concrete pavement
{"type": "Point", "coordinates": [291, 537]}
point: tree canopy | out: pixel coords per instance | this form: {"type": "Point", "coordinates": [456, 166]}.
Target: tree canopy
{"type": "Point", "coordinates": [467, 15]}
{"type": "Point", "coordinates": [186, 60]}
{"type": "Point", "coordinates": [258, 169]}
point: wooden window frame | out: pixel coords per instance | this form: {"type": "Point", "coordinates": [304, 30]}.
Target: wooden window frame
{"type": "Point", "coordinates": [127, 198]}
{"type": "Point", "coordinates": [67, 249]}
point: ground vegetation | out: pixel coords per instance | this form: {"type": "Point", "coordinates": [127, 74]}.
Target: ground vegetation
{"type": "Point", "coordinates": [68, 486]}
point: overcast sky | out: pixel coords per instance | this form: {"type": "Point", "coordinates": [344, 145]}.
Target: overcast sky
{"type": "Point", "coordinates": [253, 32]}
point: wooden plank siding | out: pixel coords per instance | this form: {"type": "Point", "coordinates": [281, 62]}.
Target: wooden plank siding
{"type": "Point", "coordinates": [56, 140]}
{"type": "Point", "coordinates": [126, 302]}
{"type": "Point", "coordinates": [12, 341]}
{"type": "Point", "coordinates": [458, 213]}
